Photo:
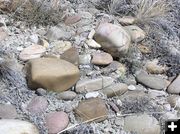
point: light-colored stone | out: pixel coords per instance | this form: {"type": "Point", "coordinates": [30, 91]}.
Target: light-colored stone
{"type": "Point", "coordinates": [151, 81]}
{"type": "Point", "coordinates": [72, 19]}
{"type": "Point", "coordinates": [44, 43]}
{"type": "Point", "coordinates": [142, 124]}
{"type": "Point", "coordinates": [3, 34]}
{"type": "Point", "coordinates": [92, 110]}
{"type": "Point", "coordinates": [85, 59]}
{"type": "Point", "coordinates": [92, 43]}
{"type": "Point", "coordinates": [153, 67]}
{"type": "Point", "coordinates": [174, 87]}
{"type": "Point", "coordinates": [37, 105]}
{"type": "Point", "coordinates": [52, 74]}
{"type": "Point", "coordinates": [71, 55]}
{"type": "Point", "coordinates": [67, 95]}
{"type": "Point", "coordinates": [91, 34]}
{"type": "Point", "coordinates": [89, 85]}
{"type": "Point", "coordinates": [12, 126]}
{"type": "Point", "coordinates": [92, 95]}
{"type": "Point", "coordinates": [115, 89]}
{"type": "Point", "coordinates": [7, 111]}
{"type": "Point", "coordinates": [144, 49]}
{"type": "Point", "coordinates": [137, 34]}
{"type": "Point", "coordinates": [56, 122]}
{"type": "Point", "coordinates": [131, 87]}
{"type": "Point", "coordinates": [113, 38]}
{"type": "Point", "coordinates": [101, 59]}
{"type": "Point", "coordinates": [34, 39]}
{"type": "Point", "coordinates": [56, 33]}
{"type": "Point", "coordinates": [127, 20]}
{"type": "Point", "coordinates": [174, 101]}
{"type": "Point", "coordinates": [32, 52]}
{"type": "Point", "coordinates": [61, 46]}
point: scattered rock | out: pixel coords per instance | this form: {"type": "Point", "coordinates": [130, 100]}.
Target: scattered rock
{"type": "Point", "coordinates": [37, 105]}
{"type": "Point", "coordinates": [92, 110]}
{"type": "Point", "coordinates": [153, 67]}
{"type": "Point", "coordinates": [137, 34]}
{"type": "Point", "coordinates": [92, 95]}
{"type": "Point", "coordinates": [91, 34]}
{"type": "Point", "coordinates": [34, 39]}
{"type": "Point", "coordinates": [12, 126]}
{"type": "Point", "coordinates": [56, 33]}
{"type": "Point", "coordinates": [90, 85]}
{"type": "Point", "coordinates": [144, 49]}
{"type": "Point", "coordinates": [101, 59]}
{"type": "Point", "coordinates": [72, 19]}
{"type": "Point", "coordinates": [56, 122]}
{"type": "Point", "coordinates": [92, 43]}
{"type": "Point", "coordinates": [113, 38]}
{"type": "Point", "coordinates": [3, 34]}
{"type": "Point", "coordinates": [52, 74]}
{"type": "Point", "coordinates": [7, 111]}
{"type": "Point", "coordinates": [142, 124]}
{"type": "Point", "coordinates": [41, 92]}
{"type": "Point", "coordinates": [61, 46]}
{"type": "Point", "coordinates": [71, 55]}
{"type": "Point", "coordinates": [114, 107]}
{"type": "Point", "coordinates": [115, 89]}
{"type": "Point", "coordinates": [131, 87]}
{"type": "Point", "coordinates": [151, 81]}
{"type": "Point", "coordinates": [32, 52]}
{"type": "Point", "coordinates": [127, 20]}
{"type": "Point", "coordinates": [174, 101]}
{"type": "Point", "coordinates": [174, 87]}
{"type": "Point", "coordinates": [67, 95]}
{"type": "Point", "coordinates": [85, 59]}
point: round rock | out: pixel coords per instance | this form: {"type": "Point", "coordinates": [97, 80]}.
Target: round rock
{"type": "Point", "coordinates": [102, 59]}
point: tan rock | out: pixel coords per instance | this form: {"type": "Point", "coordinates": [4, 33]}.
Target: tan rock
{"type": "Point", "coordinates": [144, 49]}
{"type": "Point", "coordinates": [113, 38]}
{"type": "Point", "coordinates": [92, 110]}
{"type": "Point", "coordinates": [127, 20]}
{"type": "Point", "coordinates": [137, 34]}
{"type": "Point", "coordinates": [71, 55]}
{"type": "Point", "coordinates": [32, 52]}
{"type": "Point", "coordinates": [52, 74]}
{"type": "Point", "coordinates": [61, 46]}
{"type": "Point", "coordinates": [102, 59]}
{"type": "Point", "coordinates": [92, 43]}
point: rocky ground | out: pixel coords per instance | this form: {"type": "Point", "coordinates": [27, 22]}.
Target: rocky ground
{"type": "Point", "coordinates": [92, 67]}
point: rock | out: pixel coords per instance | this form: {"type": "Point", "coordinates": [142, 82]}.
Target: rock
{"type": "Point", "coordinates": [92, 95]}
{"type": "Point", "coordinates": [7, 111]}
{"type": "Point", "coordinates": [41, 92]}
{"type": "Point", "coordinates": [155, 93]}
{"type": "Point", "coordinates": [71, 55]}
{"type": "Point", "coordinates": [151, 81]}
{"type": "Point", "coordinates": [115, 90]}
{"type": "Point", "coordinates": [174, 101]}
{"type": "Point", "coordinates": [56, 33]}
{"type": "Point", "coordinates": [91, 34]}
{"type": "Point", "coordinates": [113, 38]}
{"type": "Point", "coordinates": [85, 59]}
{"type": "Point", "coordinates": [72, 19]}
{"type": "Point", "coordinates": [85, 15]}
{"type": "Point", "coordinates": [37, 105]}
{"type": "Point", "coordinates": [52, 74]}
{"type": "Point", "coordinates": [89, 85]}
{"type": "Point", "coordinates": [92, 43]}
{"type": "Point", "coordinates": [101, 59]}
{"type": "Point", "coordinates": [92, 110]}
{"type": "Point", "coordinates": [34, 39]}
{"type": "Point", "coordinates": [119, 122]}
{"type": "Point", "coordinates": [61, 46]}
{"type": "Point", "coordinates": [137, 34]}
{"type": "Point", "coordinates": [44, 43]}
{"type": "Point", "coordinates": [153, 67]}
{"type": "Point", "coordinates": [3, 34]}
{"type": "Point", "coordinates": [127, 20]}
{"type": "Point", "coordinates": [32, 52]}
{"type": "Point", "coordinates": [12, 126]}
{"type": "Point", "coordinates": [67, 95]}
{"type": "Point", "coordinates": [142, 124]}
{"type": "Point", "coordinates": [174, 87]}
{"type": "Point", "coordinates": [56, 122]}
{"type": "Point", "coordinates": [131, 87]}
{"type": "Point", "coordinates": [144, 49]}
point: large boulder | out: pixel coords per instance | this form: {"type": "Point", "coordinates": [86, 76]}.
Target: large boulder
{"type": "Point", "coordinates": [113, 38]}
{"type": "Point", "coordinates": [52, 74]}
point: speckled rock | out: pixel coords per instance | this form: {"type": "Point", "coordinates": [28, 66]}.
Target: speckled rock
{"type": "Point", "coordinates": [52, 74]}
{"type": "Point", "coordinates": [12, 126]}
{"type": "Point", "coordinates": [56, 122]}
{"type": "Point", "coordinates": [92, 109]}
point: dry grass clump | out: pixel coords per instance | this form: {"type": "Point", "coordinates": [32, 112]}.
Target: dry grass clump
{"type": "Point", "coordinates": [36, 11]}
